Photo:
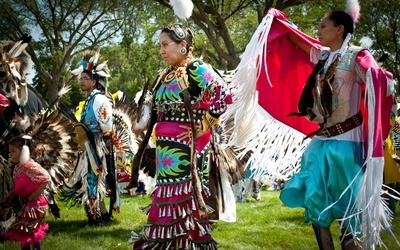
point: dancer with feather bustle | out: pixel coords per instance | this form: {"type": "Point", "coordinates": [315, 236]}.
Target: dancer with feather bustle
{"type": "Point", "coordinates": [95, 171]}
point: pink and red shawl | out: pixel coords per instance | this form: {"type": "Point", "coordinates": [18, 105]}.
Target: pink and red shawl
{"type": "Point", "coordinates": [271, 75]}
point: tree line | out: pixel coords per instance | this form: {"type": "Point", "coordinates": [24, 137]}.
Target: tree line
{"type": "Point", "coordinates": [127, 32]}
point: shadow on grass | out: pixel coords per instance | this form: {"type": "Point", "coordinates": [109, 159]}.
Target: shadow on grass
{"type": "Point", "coordinates": [77, 228]}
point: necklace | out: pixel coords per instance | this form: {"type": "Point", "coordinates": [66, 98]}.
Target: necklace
{"type": "Point", "coordinates": [183, 63]}
{"type": "Point", "coordinates": [171, 75]}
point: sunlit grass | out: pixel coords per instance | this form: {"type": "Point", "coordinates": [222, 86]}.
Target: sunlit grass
{"type": "Point", "coordinates": [265, 224]}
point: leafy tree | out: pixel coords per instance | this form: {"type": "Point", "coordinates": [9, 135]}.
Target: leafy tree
{"type": "Point", "coordinates": [227, 24]}
{"type": "Point", "coordinates": [380, 21]}
{"type": "Point", "coordinates": [60, 30]}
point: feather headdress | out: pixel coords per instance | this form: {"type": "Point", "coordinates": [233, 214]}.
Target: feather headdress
{"type": "Point", "coordinates": [14, 64]}
{"type": "Point", "coordinates": [99, 71]}
{"type": "Point", "coordinates": [353, 9]}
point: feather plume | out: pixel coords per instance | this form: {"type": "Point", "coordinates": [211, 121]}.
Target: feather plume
{"type": "Point", "coordinates": [182, 8]}
{"type": "Point", "coordinates": [64, 90]}
{"type": "Point", "coordinates": [20, 46]}
{"type": "Point", "coordinates": [102, 73]}
{"type": "Point", "coordinates": [95, 57]}
{"type": "Point", "coordinates": [16, 63]}
{"type": "Point", "coordinates": [19, 49]}
{"type": "Point", "coordinates": [77, 71]}
{"type": "Point", "coordinates": [144, 112]}
{"type": "Point", "coordinates": [25, 155]}
{"type": "Point", "coordinates": [101, 66]}
{"type": "Point", "coordinates": [14, 48]}
{"type": "Point", "coordinates": [353, 9]}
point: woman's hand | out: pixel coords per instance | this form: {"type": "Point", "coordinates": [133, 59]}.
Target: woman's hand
{"type": "Point", "coordinates": [189, 133]}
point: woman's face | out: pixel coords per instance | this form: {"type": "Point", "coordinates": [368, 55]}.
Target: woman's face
{"type": "Point", "coordinates": [15, 153]}
{"type": "Point", "coordinates": [330, 35]}
{"type": "Point", "coordinates": [169, 49]}
{"type": "Point", "coordinates": [86, 83]}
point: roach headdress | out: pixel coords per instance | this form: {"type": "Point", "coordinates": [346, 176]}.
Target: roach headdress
{"type": "Point", "coordinates": [98, 71]}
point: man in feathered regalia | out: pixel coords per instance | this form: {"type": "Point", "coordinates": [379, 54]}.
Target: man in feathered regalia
{"type": "Point", "coordinates": [90, 176]}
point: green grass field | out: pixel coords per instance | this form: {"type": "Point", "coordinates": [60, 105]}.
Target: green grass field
{"type": "Point", "coordinates": [265, 224]}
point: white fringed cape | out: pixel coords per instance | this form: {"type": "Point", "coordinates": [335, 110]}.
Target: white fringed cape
{"type": "Point", "coordinates": [268, 139]}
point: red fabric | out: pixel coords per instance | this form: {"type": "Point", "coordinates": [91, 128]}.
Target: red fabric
{"type": "Point", "coordinates": [123, 175]}
{"type": "Point", "coordinates": [383, 102]}
{"type": "Point", "coordinates": [172, 130]}
{"type": "Point", "coordinates": [4, 103]}
{"type": "Point", "coordinates": [288, 69]}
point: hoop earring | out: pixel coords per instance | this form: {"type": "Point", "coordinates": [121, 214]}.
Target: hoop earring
{"type": "Point", "coordinates": [183, 51]}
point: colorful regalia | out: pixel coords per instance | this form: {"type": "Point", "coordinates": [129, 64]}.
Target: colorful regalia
{"type": "Point", "coordinates": [94, 174]}
{"type": "Point", "coordinates": [174, 218]}
{"type": "Point", "coordinates": [271, 75]}
{"type": "Point", "coordinates": [97, 116]}
{"type": "Point", "coordinates": [29, 226]}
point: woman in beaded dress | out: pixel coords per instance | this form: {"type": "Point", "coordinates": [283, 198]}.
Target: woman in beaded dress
{"type": "Point", "coordinates": [187, 87]}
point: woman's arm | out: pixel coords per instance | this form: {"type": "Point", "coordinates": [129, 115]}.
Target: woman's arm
{"type": "Point", "coordinates": [302, 45]}
{"type": "Point", "coordinates": [35, 195]}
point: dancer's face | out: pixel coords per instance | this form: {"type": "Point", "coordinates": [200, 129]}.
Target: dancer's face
{"type": "Point", "coordinates": [330, 35]}
{"type": "Point", "coordinates": [169, 50]}
{"type": "Point", "coordinates": [15, 153]}
{"type": "Point", "coordinates": [86, 83]}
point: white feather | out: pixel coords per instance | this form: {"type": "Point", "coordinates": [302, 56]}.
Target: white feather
{"type": "Point", "coordinates": [77, 71]}
{"type": "Point", "coordinates": [353, 9]}
{"type": "Point", "coordinates": [144, 120]}
{"type": "Point", "coordinates": [102, 73]}
{"type": "Point", "coordinates": [182, 8]}
{"type": "Point", "coordinates": [19, 50]}
{"type": "Point", "coordinates": [25, 155]}
{"type": "Point", "coordinates": [64, 90]}
{"type": "Point", "coordinates": [137, 96]}
{"type": "Point", "coordinates": [101, 66]}
{"type": "Point", "coordinates": [16, 45]}
{"type": "Point", "coordinates": [95, 57]}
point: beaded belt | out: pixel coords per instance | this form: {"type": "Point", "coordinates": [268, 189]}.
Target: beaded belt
{"type": "Point", "coordinates": [342, 127]}
{"type": "Point", "coordinates": [181, 115]}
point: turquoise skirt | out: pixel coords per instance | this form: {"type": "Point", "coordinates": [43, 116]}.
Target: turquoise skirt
{"type": "Point", "coordinates": [328, 167]}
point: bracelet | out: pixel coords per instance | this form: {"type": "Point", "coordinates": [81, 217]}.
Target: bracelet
{"type": "Point", "coordinates": [208, 122]}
